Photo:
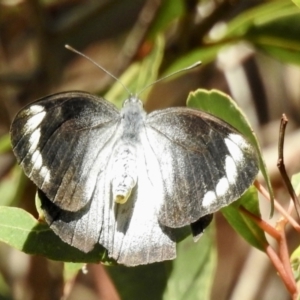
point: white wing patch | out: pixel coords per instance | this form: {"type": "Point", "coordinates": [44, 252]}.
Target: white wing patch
{"type": "Point", "coordinates": [234, 144]}
{"type": "Point", "coordinates": [234, 150]}
{"type": "Point", "coordinates": [230, 169]}
{"type": "Point", "coordinates": [35, 109]}
{"type": "Point", "coordinates": [37, 113]}
{"type": "Point", "coordinates": [38, 165]}
{"type": "Point", "coordinates": [222, 187]}
{"type": "Point", "coordinates": [34, 121]}
{"type": "Point", "coordinates": [238, 139]}
{"type": "Point", "coordinates": [37, 159]}
{"type": "Point", "coordinates": [34, 139]}
{"type": "Point", "coordinates": [231, 162]}
{"type": "Point", "coordinates": [45, 173]}
{"type": "Point", "coordinates": [209, 199]}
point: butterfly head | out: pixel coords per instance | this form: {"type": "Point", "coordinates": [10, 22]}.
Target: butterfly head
{"type": "Point", "coordinates": [132, 115]}
{"type": "Point", "coordinates": [133, 100]}
{"type": "Point", "coordinates": [132, 106]}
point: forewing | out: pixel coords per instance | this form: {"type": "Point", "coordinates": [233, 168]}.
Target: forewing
{"type": "Point", "coordinates": [205, 164]}
{"type": "Point", "coordinates": [82, 228]}
{"type": "Point", "coordinates": [59, 141]}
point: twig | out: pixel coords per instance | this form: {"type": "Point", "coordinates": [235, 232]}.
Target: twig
{"type": "Point", "coordinates": [278, 207]}
{"type": "Point", "coordinates": [281, 166]}
{"type": "Point", "coordinates": [281, 262]}
{"type": "Point", "coordinates": [287, 280]}
{"type": "Point", "coordinates": [68, 287]}
{"type": "Point", "coordinates": [261, 223]}
{"type": "Point", "coordinates": [283, 250]}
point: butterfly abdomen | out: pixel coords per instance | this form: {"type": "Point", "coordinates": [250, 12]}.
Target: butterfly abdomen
{"type": "Point", "coordinates": [124, 172]}
{"type": "Point", "coordinates": [124, 165]}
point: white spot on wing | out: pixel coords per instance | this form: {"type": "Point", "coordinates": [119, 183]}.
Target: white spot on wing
{"type": "Point", "coordinates": [34, 138]}
{"type": "Point", "coordinates": [222, 187]}
{"type": "Point", "coordinates": [234, 150]}
{"type": "Point", "coordinates": [238, 139]}
{"type": "Point", "coordinates": [45, 173]}
{"type": "Point", "coordinates": [38, 166]}
{"type": "Point", "coordinates": [35, 109]}
{"type": "Point", "coordinates": [223, 184]}
{"type": "Point", "coordinates": [37, 160]}
{"type": "Point", "coordinates": [230, 169]}
{"type": "Point", "coordinates": [209, 199]}
{"type": "Point", "coordinates": [34, 121]}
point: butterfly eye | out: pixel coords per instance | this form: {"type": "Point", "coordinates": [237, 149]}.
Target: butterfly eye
{"type": "Point", "coordinates": [132, 99]}
{"type": "Point", "coordinates": [125, 102]}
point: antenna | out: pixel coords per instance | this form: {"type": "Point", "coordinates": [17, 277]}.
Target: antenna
{"type": "Point", "coordinates": [196, 64]}
{"type": "Point", "coordinates": [103, 69]}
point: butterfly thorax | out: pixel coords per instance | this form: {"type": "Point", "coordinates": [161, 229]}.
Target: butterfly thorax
{"type": "Point", "coordinates": [124, 164]}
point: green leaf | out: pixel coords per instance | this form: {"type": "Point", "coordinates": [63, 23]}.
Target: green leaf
{"type": "Point", "coordinates": [261, 14]}
{"type": "Point", "coordinates": [273, 27]}
{"type": "Point", "coordinates": [170, 10]}
{"type": "Point", "coordinates": [5, 290]}
{"type": "Point", "coordinates": [245, 226]}
{"type": "Point", "coordinates": [297, 2]}
{"type": "Point", "coordinates": [71, 270]}
{"type": "Point", "coordinates": [138, 75]}
{"type": "Point", "coordinates": [296, 183]}
{"type": "Point", "coordinates": [5, 145]}
{"type": "Point", "coordinates": [295, 263]}
{"type": "Point", "coordinates": [145, 282]}
{"type": "Point", "coordinates": [205, 54]}
{"type": "Point", "coordinates": [283, 54]}
{"type": "Point", "coordinates": [223, 107]}
{"type": "Point", "coordinates": [279, 37]}
{"type": "Point", "coordinates": [20, 230]}
{"type": "Point", "coordinates": [193, 270]}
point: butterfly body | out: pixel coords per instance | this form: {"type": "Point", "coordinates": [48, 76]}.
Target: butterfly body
{"type": "Point", "coordinates": [125, 150]}
{"type": "Point", "coordinates": [127, 179]}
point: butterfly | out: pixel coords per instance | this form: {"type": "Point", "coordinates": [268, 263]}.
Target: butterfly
{"type": "Point", "coordinates": [127, 179]}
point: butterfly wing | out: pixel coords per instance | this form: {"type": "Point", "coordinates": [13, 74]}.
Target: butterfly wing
{"type": "Point", "coordinates": [57, 141]}
{"type": "Point", "coordinates": [131, 232]}
{"type": "Point", "coordinates": [205, 163]}
{"type": "Point", "coordinates": [189, 165]}
{"type": "Point", "coordinates": [64, 143]}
